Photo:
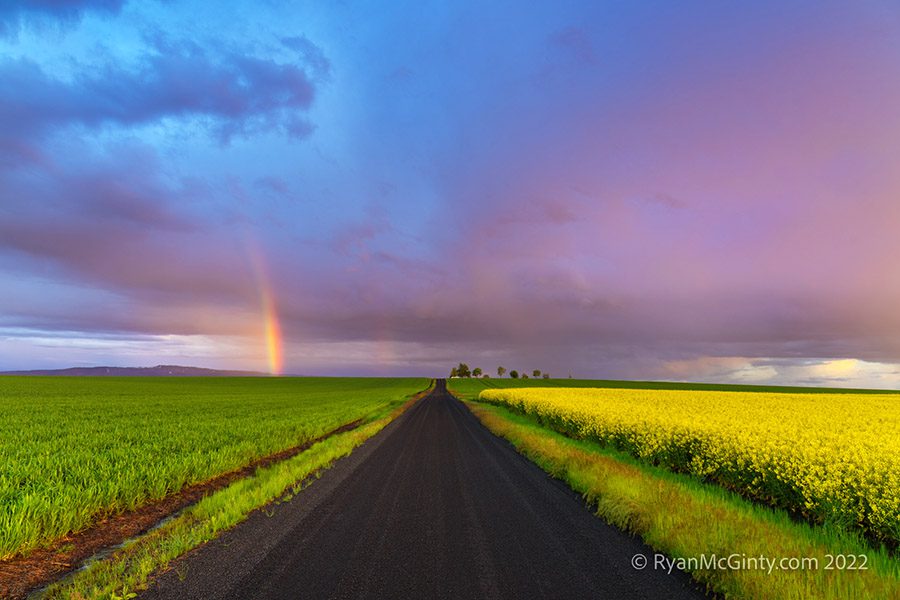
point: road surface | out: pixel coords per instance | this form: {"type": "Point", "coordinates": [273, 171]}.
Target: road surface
{"type": "Point", "coordinates": [434, 506]}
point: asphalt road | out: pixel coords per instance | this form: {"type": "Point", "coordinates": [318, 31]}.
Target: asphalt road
{"type": "Point", "coordinates": [434, 506]}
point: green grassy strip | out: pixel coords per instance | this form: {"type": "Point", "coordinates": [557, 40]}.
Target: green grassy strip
{"type": "Point", "coordinates": [130, 568]}
{"type": "Point", "coordinates": [683, 517]}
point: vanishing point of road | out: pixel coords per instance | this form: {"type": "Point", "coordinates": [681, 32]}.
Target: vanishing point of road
{"type": "Point", "coordinates": [434, 506]}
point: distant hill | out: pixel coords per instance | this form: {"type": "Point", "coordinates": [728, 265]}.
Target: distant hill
{"type": "Point", "coordinates": [157, 371]}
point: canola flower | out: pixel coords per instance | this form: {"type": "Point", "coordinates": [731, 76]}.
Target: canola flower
{"type": "Point", "coordinates": [833, 458]}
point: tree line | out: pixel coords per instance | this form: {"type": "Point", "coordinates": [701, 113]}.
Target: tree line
{"type": "Point", "coordinates": [462, 370]}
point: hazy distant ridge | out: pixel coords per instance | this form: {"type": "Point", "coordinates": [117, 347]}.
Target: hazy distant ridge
{"type": "Point", "coordinates": [157, 371]}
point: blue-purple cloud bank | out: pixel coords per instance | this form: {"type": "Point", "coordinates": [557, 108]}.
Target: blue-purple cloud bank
{"type": "Point", "coordinates": [16, 13]}
{"type": "Point", "coordinates": [57, 8]}
{"type": "Point", "coordinates": [621, 191]}
{"type": "Point", "coordinates": [239, 94]}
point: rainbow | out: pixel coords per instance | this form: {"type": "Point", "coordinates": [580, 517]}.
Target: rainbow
{"type": "Point", "coordinates": [272, 327]}
{"type": "Point", "coordinates": [271, 323]}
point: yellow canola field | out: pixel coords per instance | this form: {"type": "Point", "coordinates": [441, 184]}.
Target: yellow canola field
{"type": "Point", "coordinates": [831, 457]}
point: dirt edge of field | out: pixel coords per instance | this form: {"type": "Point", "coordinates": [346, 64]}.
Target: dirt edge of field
{"type": "Point", "coordinates": [21, 575]}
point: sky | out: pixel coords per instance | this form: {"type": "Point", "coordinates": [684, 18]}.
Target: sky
{"type": "Point", "coordinates": [635, 190]}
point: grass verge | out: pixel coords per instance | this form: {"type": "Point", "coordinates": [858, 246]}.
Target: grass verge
{"type": "Point", "coordinates": [685, 519]}
{"type": "Point", "coordinates": [128, 569]}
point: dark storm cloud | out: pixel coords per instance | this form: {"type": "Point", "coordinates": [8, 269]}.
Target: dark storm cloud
{"type": "Point", "coordinates": [12, 11]}
{"type": "Point", "coordinates": [238, 94]}
{"type": "Point", "coordinates": [58, 6]}
{"type": "Point", "coordinates": [115, 218]}
{"type": "Point", "coordinates": [125, 258]}
{"type": "Point", "coordinates": [120, 224]}
{"type": "Point", "coordinates": [310, 54]}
